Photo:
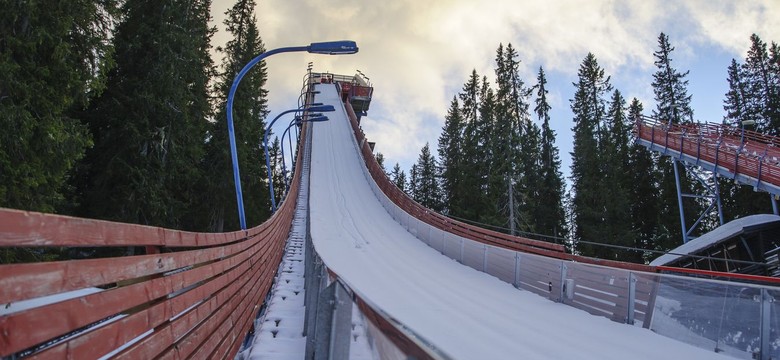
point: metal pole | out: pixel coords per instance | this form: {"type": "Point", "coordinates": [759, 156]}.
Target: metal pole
{"type": "Point", "coordinates": [231, 129]}
{"type": "Point", "coordinates": [268, 158]}
{"type": "Point", "coordinates": [679, 200]}
{"type": "Point", "coordinates": [717, 199]}
{"type": "Point", "coordinates": [774, 204]}
{"type": "Point", "coordinates": [511, 208]}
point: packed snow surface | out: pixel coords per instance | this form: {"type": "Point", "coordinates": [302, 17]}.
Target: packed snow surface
{"type": "Point", "coordinates": [465, 313]}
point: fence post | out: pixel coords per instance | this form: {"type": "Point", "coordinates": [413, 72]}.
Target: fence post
{"type": "Point", "coordinates": [517, 270]}
{"type": "Point", "coordinates": [631, 298]}
{"type": "Point", "coordinates": [561, 295]}
{"type": "Point", "coordinates": [462, 244]}
{"type": "Point", "coordinates": [334, 323]}
{"type": "Point", "coordinates": [484, 258]}
{"type": "Point", "coordinates": [766, 322]}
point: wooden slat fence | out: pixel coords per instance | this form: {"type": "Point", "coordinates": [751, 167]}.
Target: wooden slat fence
{"type": "Point", "coordinates": [192, 294]}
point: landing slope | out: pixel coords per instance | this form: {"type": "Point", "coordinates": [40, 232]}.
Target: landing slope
{"type": "Point", "coordinates": [465, 313]}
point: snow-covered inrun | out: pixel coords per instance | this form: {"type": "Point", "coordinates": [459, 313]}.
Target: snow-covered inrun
{"type": "Point", "coordinates": [464, 313]}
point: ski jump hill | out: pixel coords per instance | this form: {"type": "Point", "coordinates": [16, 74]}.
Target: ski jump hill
{"type": "Point", "coordinates": [350, 267]}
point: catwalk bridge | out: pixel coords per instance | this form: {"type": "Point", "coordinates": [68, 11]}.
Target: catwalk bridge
{"type": "Point", "coordinates": [351, 267]}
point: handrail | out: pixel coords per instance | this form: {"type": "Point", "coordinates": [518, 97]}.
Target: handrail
{"type": "Point", "coordinates": [193, 293]}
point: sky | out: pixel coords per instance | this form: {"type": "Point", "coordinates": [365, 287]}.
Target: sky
{"type": "Point", "coordinates": [418, 54]}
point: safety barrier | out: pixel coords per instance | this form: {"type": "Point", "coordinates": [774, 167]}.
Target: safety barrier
{"type": "Point", "coordinates": [191, 294]}
{"type": "Point", "coordinates": [339, 323]}
{"type": "Point", "coordinates": [747, 156]}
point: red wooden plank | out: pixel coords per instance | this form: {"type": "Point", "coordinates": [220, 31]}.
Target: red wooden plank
{"type": "Point", "coordinates": [26, 281]}
{"type": "Point", "coordinates": [177, 329]}
{"type": "Point", "coordinates": [107, 338]}
{"type": "Point", "coordinates": [39, 325]}
{"type": "Point", "coordinates": [26, 228]}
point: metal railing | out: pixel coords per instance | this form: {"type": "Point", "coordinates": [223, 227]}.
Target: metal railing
{"type": "Point", "coordinates": [746, 156]}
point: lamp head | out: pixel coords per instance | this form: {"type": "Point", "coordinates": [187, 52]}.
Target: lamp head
{"type": "Point", "coordinates": [320, 108]}
{"type": "Point", "coordinates": [343, 47]}
{"type": "Point", "coordinates": [317, 118]}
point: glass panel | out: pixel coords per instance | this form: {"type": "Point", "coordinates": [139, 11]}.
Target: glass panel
{"type": "Point", "coordinates": [774, 324]}
{"type": "Point", "coordinates": [723, 317]}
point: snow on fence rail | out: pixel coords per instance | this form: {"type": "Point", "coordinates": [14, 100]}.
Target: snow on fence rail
{"type": "Point", "coordinates": [190, 294]}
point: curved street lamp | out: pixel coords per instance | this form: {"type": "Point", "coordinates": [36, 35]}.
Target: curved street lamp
{"type": "Point", "coordinates": [297, 121]}
{"type": "Point", "coordinates": [320, 108]}
{"type": "Point", "coordinates": [328, 48]}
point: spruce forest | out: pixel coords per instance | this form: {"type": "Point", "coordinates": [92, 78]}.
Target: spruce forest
{"type": "Point", "coordinates": [114, 110]}
{"type": "Point", "coordinates": [498, 165]}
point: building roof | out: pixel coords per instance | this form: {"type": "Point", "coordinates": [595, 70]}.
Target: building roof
{"type": "Point", "coordinates": [720, 234]}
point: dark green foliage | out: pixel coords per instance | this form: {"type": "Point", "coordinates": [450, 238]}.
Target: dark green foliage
{"type": "Point", "coordinates": [398, 177]}
{"type": "Point", "coordinates": [672, 105]}
{"type": "Point", "coordinates": [52, 60]}
{"type": "Point", "coordinates": [514, 147]}
{"type": "Point", "coordinates": [277, 176]}
{"type": "Point", "coordinates": [474, 152]}
{"type": "Point", "coordinates": [762, 89]}
{"type": "Point", "coordinates": [589, 108]}
{"type": "Point", "coordinates": [451, 163]}
{"type": "Point", "coordinates": [551, 216]}
{"type": "Point", "coordinates": [616, 182]}
{"type": "Point", "coordinates": [217, 206]}
{"type": "Point", "coordinates": [149, 125]}
{"type": "Point", "coordinates": [642, 190]}
{"type": "Point", "coordinates": [427, 191]}
{"type": "Point", "coordinates": [414, 182]}
{"type": "Point", "coordinates": [749, 98]}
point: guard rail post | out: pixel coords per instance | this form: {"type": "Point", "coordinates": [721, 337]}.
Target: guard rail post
{"type": "Point", "coordinates": [334, 323]}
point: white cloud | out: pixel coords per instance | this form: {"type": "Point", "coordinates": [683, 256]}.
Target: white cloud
{"type": "Point", "coordinates": [419, 53]}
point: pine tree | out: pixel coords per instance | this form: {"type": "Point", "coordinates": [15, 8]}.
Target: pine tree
{"type": "Point", "coordinates": [616, 182]}
{"type": "Point", "coordinates": [551, 217]}
{"type": "Point", "coordinates": [451, 160]}
{"type": "Point", "coordinates": [672, 105]}
{"type": "Point", "coordinates": [735, 102]}
{"type": "Point", "coordinates": [53, 59]}
{"type": "Point", "coordinates": [670, 87]}
{"type": "Point", "coordinates": [762, 88]}
{"type": "Point", "coordinates": [514, 144]}
{"type": "Point", "coordinates": [414, 182]}
{"type": "Point", "coordinates": [643, 190]}
{"type": "Point", "coordinates": [150, 124]}
{"type": "Point", "coordinates": [773, 102]}
{"type": "Point", "coordinates": [427, 191]}
{"type": "Point", "coordinates": [739, 200]}
{"type": "Point", "coordinates": [398, 177]}
{"type": "Point", "coordinates": [277, 175]}
{"type": "Point", "coordinates": [218, 205]}
{"type": "Point", "coordinates": [589, 108]}
{"type": "Point", "coordinates": [473, 151]}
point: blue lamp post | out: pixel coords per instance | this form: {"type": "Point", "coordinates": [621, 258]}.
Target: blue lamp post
{"type": "Point", "coordinates": [321, 108]}
{"type": "Point", "coordinates": [295, 122]}
{"type": "Point", "coordinates": [328, 48]}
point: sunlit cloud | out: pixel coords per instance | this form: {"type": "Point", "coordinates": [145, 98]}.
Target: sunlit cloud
{"type": "Point", "coordinates": [418, 54]}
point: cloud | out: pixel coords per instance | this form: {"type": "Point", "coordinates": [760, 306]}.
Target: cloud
{"type": "Point", "coordinates": [419, 53]}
